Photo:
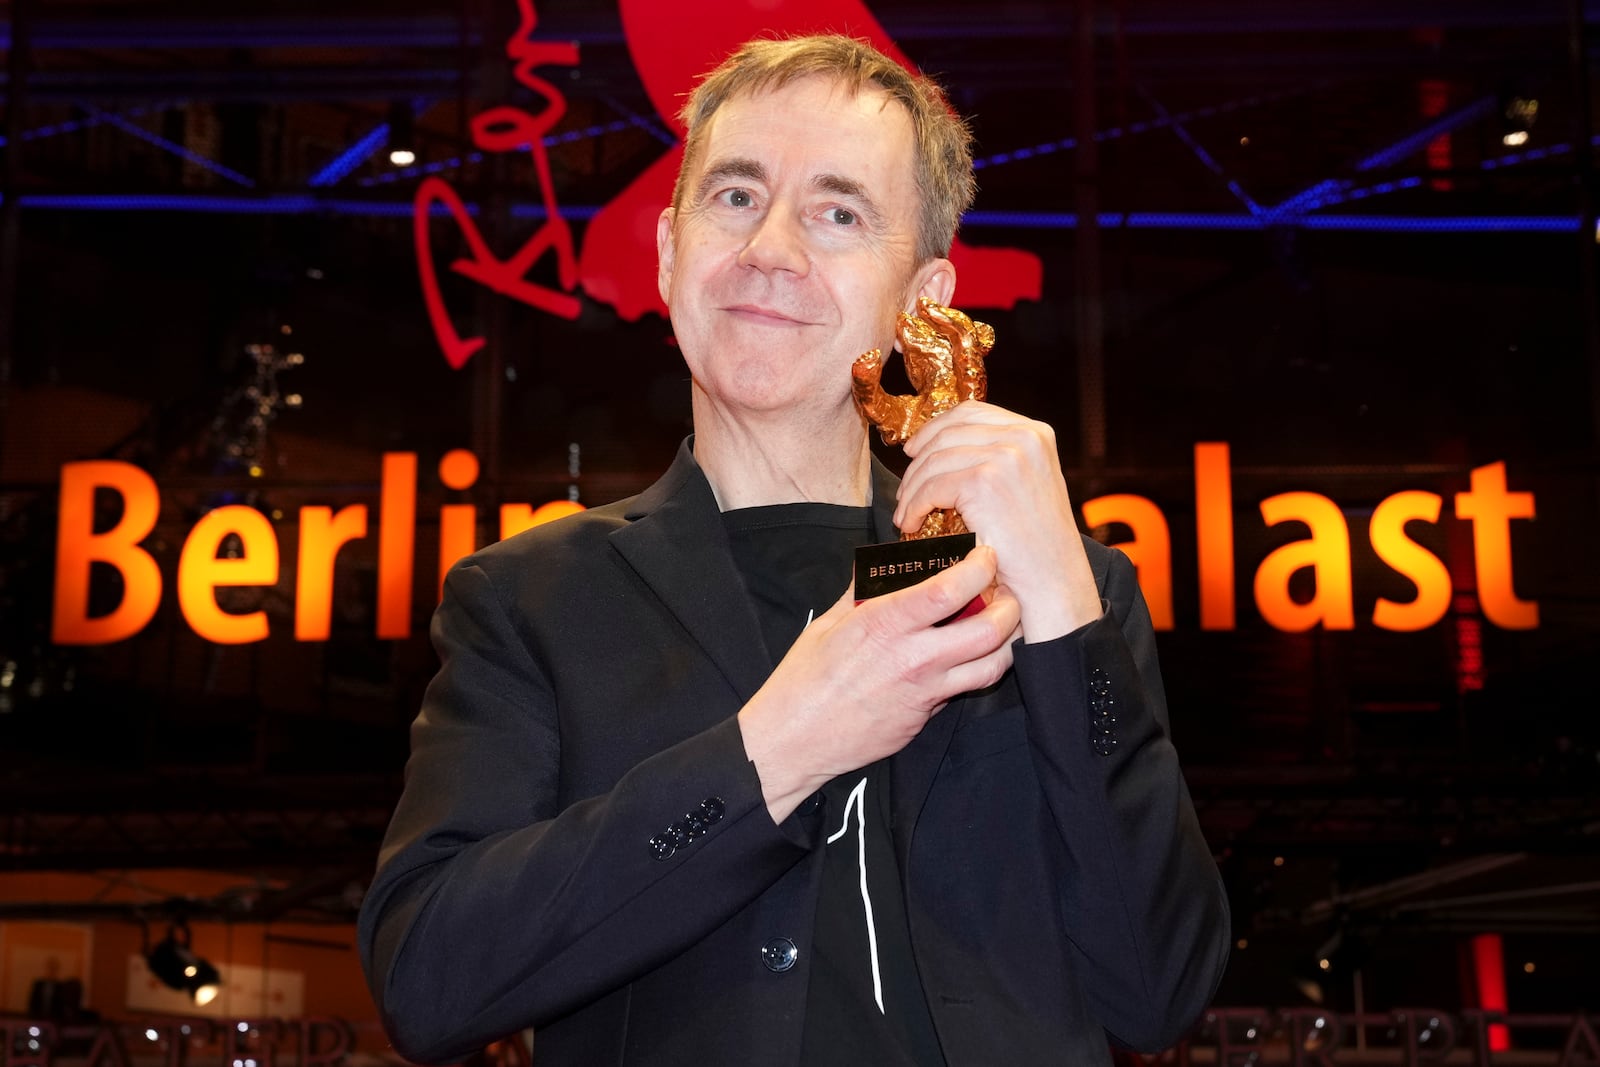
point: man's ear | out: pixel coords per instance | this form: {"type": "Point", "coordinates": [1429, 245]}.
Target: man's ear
{"type": "Point", "coordinates": [936, 280]}
{"type": "Point", "coordinates": [666, 253]}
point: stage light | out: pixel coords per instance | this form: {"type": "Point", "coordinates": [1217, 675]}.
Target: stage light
{"type": "Point", "coordinates": [1332, 964]}
{"type": "Point", "coordinates": [179, 968]}
{"type": "Point", "coordinates": [1521, 112]}
{"type": "Point", "coordinates": [402, 134]}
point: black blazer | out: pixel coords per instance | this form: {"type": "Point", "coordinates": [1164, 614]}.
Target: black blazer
{"type": "Point", "coordinates": [1057, 886]}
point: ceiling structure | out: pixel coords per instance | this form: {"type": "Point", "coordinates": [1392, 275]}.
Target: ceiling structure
{"type": "Point", "coordinates": [1323, 93]}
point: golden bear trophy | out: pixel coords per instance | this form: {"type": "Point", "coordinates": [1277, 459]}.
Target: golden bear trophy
{"type": "Point", "coordinates": [943, 351]}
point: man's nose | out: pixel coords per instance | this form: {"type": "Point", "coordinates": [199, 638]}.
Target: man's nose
{"type": "Point", "coordinates": [777, 243]}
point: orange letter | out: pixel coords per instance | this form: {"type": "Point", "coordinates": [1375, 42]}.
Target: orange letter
{"type": "Point", "coordinates": [1213, 521]}
{"type": "Point", "coordinates": [1389, 541]}
{"type": "Point", "coordinates": [1150, 550]}
{"type": "Point", "coordinates": [78, 546]}
{"type": "Point", "coordinates": [397, 534]}
{"type": "Point", "coordinates": [322, 534]}
{"type": "Point", "coordinates": [1491, 510]}
{"type": "Point", "coordinates": [1326, 552]}
{"type": "Point", "coordinates": [458, 523]}
{"type": "Point", "coordinates": [514, 518]}
{"type": "Point", "coordinates": [200, 572]}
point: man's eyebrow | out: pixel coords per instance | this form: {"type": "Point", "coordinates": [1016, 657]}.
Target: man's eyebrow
{"type": "Point", "coordinates": [839, 185]}
{"type": "Point", "coordinates": [724, 169]}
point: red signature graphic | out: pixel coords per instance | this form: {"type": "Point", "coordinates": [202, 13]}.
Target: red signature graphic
{"type": "Point", "coordinates": [505, 129]}
{"type": "Point", "coordinates": [671, 48]}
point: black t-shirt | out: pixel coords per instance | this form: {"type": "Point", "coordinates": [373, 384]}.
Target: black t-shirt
{"type": "Point", "coordinates": [865, 1003]}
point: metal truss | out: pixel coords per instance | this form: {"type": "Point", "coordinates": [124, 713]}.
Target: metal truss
{"type": "Point", "coordinates": [438, 41]}
{"type": "Point", "coordinates": [196, 823]}
{"type": "Point", "coordinates": [1347, 814]}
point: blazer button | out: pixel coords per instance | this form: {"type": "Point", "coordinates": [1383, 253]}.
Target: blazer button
{"type": "Point", "coordinates": [661, 848]}
{"type": "Point", "coordinates": [779, 954]}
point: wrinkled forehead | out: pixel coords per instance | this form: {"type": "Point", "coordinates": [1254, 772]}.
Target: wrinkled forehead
{"type": "Point", "coordinates": [758, 112]}
{"type": "Point", "coordinates": [831, 87]}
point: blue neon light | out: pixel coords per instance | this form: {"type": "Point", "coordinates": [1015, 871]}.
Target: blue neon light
{"type": "Point", "coordinates": [1456, 224]}
{"type": "Point", "coordinates": [351, 158]}
{"type": "Point", "coordinates": [172, 146]}
{"type": "Point", "coordinates": [1143, 126]}
{"type": "Point", "coordinates": [457, 162]}
{"type": "Point", "coordinates": [71, 126]}
{"type": "Point", "coordinates": [1206, 158]}
{"type": "Point", "coordinates": [1417, 141]}
{"type": "Point", "coordinates": [308, 204]}
{"type": "Point", "coordinates": [648, 125]}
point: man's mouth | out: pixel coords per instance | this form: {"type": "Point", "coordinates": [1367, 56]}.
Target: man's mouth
{"type": "Point", "coordinates": [764, 315]}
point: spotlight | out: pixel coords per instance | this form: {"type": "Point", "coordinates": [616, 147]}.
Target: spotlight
{"type": "Point", "coordinates": [402, 135]}
{"type": "Point", "coordinates": [179, 968]}
{"type": "Point", "coordinates": [1331, 965]}
{"type": "Point", "coordinates": [1521, 113]}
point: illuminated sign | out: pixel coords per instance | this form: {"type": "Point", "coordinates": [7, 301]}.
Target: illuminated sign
{"type": "Point", "coordinates": [323, 532]}
{"type": "Point", "coordinates": [1489, 505]}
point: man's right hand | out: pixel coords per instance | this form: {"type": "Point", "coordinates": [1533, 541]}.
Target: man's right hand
{"type": "Point", "coordinates": [863, 679]}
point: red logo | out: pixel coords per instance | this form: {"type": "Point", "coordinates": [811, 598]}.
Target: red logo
{"type": "Point", "coordinates": [671, 48]}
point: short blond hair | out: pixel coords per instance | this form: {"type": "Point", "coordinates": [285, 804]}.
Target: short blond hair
{"type": "Point", "coordinates": [943, 142]}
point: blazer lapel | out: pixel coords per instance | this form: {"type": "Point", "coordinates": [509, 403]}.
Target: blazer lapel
{"type": "Point", "coordinates": [675, 542]}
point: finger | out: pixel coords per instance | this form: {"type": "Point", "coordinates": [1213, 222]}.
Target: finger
{"type": "Point", "coordinates": [976, 457]}
{"type": "Point", "coordinates": [981, 645]}
{"type": "Point", "coordinates": [942, 482]}
{"type": "Point", "coordinates": [971, 420]}
{"type": "Point", "coordinates": [895, 615]}
{"type": "Point", "coordinates": [979, 673]}
{"type": "Point", "coordinates": [986, 630]}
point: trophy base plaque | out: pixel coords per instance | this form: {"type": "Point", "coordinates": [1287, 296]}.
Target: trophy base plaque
{"type": "Point", "coordinates": [897, 565]}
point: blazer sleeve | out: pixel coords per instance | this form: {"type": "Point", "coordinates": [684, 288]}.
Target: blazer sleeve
{"type": "Point", "coordinates": [1144, 905]}
{"type": "Point", "coordinates": [491, 910]}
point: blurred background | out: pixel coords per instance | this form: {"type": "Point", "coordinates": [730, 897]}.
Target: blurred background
{"type": "Point", "coordinates": [375, 271]}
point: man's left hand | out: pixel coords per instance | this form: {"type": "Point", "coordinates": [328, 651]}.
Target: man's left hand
{"type": "Point", "coordinates": [1002, 472]}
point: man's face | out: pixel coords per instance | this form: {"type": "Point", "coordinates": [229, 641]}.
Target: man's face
{"type": "Point", "coordinates": [794, 246]}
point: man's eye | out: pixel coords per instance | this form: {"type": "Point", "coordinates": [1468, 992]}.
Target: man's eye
{"type": "Point", "coordinates": [738, 198]}
{"type": "Point", "coordinates": [842, 216]}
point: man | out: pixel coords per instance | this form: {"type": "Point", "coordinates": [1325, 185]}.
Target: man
{"type": "Point", "coordinates": [675, 799]}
